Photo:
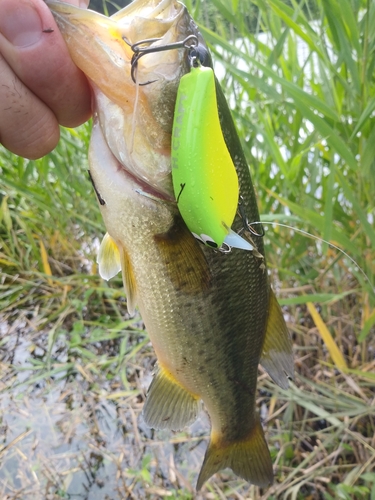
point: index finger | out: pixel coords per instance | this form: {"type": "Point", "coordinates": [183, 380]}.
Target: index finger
{"type": "Point", "coordinates": [34, 49]}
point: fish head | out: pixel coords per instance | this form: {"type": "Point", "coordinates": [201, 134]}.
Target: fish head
{"type": "Point", "coordinates": [135, 117]}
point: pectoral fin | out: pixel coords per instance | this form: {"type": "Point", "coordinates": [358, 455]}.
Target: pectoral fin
{"type": "Point", "coordinates": [113, 259]}
{"type": "Point", "coordinates": [108, 258]}
{"type": "Point", "coordinates": [168, 404]}
{"type": "Point", "coordinates": [277, 356]}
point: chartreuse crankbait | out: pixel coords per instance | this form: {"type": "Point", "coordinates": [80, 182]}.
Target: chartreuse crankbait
{"type": "Point", "coordinates": [204, 178]}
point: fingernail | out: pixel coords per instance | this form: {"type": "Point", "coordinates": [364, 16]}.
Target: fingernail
{"type": "Point", "coordinates": [21, 25]}
{"type": "Point", "coordinates": [84, 4]}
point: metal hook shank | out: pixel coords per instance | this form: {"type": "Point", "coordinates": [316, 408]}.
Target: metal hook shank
{"type": "Point", "coordinates": [139, 50]}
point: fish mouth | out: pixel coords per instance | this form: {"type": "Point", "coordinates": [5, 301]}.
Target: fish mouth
{"type": "Point", "coordinates": [136, 120]}
{"type": "Point", "coordinates": [101, 46]}
{"type": "Point", "coordinates": [146, 189]}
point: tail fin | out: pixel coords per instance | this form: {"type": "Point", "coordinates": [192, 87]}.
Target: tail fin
{"type": "Point", "coordinates": [250, 458]}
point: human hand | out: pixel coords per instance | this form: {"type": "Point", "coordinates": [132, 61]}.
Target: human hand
{"type": "Point", "coordinates": [40, 87]}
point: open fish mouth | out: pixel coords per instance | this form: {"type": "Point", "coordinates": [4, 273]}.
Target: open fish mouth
{"type": "Point", "coordinates": [144, 188]}
{"type": "Point", "coordinates": [103, 48]}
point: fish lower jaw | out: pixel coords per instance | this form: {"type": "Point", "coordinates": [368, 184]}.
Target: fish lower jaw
{"type": "Point", "coordinates": [146, 189]}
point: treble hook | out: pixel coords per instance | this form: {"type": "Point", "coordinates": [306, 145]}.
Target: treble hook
{"type": "Point", "coordinates": [139, 50]}
{"type": "Point", "coordinates": [246, 224]}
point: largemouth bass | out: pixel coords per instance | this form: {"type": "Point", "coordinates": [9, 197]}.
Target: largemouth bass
{"type": "Point", "coordinates": [211, 316]}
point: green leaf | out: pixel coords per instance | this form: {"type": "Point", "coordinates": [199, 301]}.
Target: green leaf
{"type": "Point", "coordinates": [363, 118]}
{"type": "Point", "coordinates": [370, 322]}
{"type": "Point", "coordinates": [5, 213]}
{"type": "Point", "coordinates": [353, 199]}
{"type": "Point", "coordinates": [293, 90]}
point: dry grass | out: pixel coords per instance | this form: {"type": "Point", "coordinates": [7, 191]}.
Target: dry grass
{"type": "Point", "coordinates": [71, 425]}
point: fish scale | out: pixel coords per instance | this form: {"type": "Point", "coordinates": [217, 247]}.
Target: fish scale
{"type": "Point", "coordinates": [211, 316]}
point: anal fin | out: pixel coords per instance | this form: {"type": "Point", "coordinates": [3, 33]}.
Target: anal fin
{"type": "Point", "coordinates": [277, 355]}
{"type": "Point", "coordinates": [168, 405]}
{"type": "Point", "coordinates": [248, 458]}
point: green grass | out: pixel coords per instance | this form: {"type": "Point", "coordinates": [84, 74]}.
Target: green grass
{"type": "Point", "coordinates": [307, 127]}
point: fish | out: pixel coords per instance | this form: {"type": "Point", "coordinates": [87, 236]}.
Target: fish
{"type": "Point", "coordinates": [211, 315]}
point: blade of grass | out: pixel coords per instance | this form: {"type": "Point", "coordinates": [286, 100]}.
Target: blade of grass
{"type": "Point", "coordinates": [334, 351]}
{"type": "Point", "coordinates": [369, 323]}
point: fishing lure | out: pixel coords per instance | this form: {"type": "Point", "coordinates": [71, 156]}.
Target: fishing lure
{"type": "Point", "coordinates": [204, 178]}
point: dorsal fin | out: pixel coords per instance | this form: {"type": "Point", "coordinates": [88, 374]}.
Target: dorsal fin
{"type": "Point", "coordinates": [277, 355]}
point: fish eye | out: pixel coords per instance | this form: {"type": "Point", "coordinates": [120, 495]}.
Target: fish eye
{"type": "Point", "coordinates": [207, 240]}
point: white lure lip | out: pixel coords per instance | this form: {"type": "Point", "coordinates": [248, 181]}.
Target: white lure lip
{"type": "Point", "coordinates": [235, 240]}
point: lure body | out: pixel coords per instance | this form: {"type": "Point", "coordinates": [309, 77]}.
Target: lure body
{"type": "Point", "coordinates": [204, 178]}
